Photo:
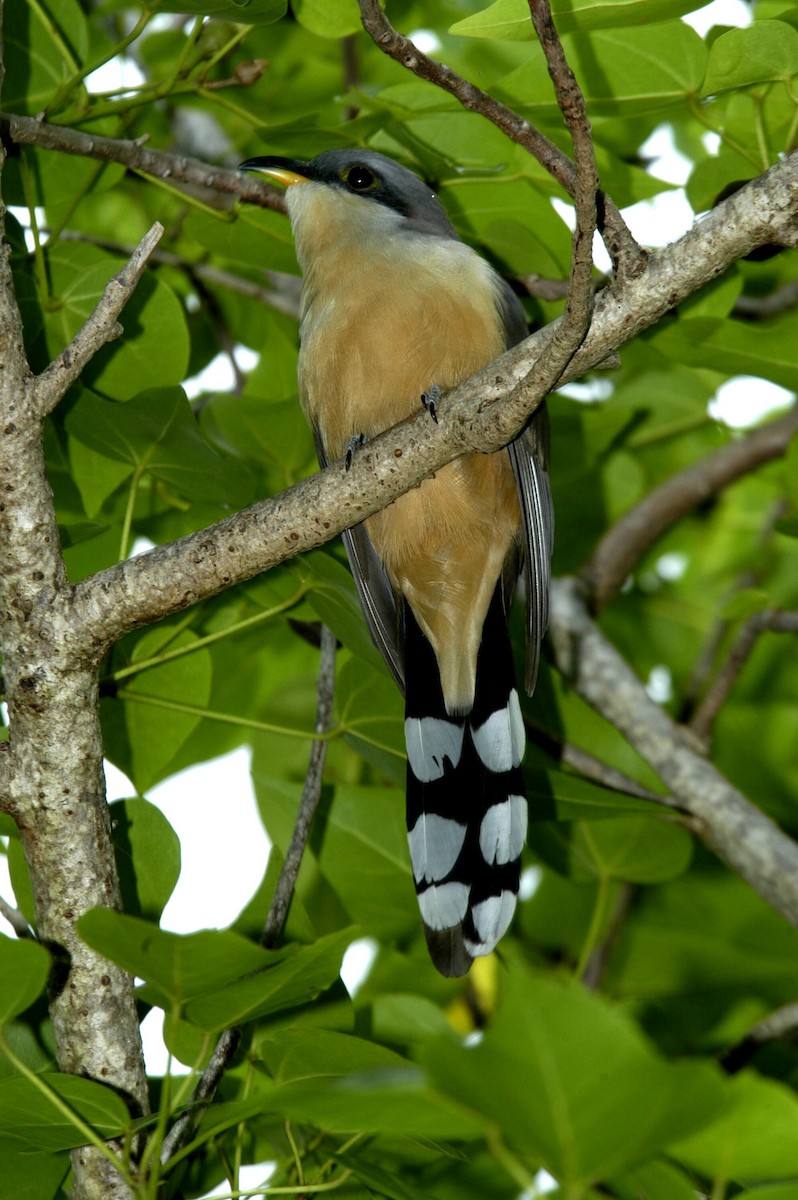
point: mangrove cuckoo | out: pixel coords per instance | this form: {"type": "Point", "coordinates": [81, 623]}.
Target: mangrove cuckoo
{"type": "Point", "coordinates": [395, 308]}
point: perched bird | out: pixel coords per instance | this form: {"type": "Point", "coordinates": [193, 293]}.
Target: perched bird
{"type": "Point", "coordinates": [395, 307]}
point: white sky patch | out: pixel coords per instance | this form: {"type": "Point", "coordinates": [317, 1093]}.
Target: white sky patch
{"type": "Point", "coordinates": [672, 566]}
{"type": "Point", "coordinates": [22, 215]}
{"type": "Point", "coordinates": [588, 391]}
{"type": "Point", "coordinates": [426, 40]}
{"type": "Point", "coordinates": [212, 809]}
{"type": "Point", "coordinates": [219, 376]}
{"type": "Point", "coordinates": [250, 1179]}
{"type": "Point", "coordinates": [659, 684]}
{"type": "Point", "coordinates": [358, 961]}
{"type": "Point", "coordinates": [531, 879]}
{"type": "Point", "coordinates": [542, 1185]}
{"type": "Point", "coordinates": [745, 400]}
{"type": "Point", "coordinates": [720, 12]}
{"type": "Point", "coordinates": [119, 75]}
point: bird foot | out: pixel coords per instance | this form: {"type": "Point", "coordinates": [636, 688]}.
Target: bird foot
{"type": "Point", "coordinates": [430, 401]}
{"type": "Point", "coordinates": [353, 445]}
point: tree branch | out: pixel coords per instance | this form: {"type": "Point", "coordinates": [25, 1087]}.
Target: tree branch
{"type": "Point", "coordinates": [177, 168]}
{"type": "Point", "coordinates": [759, 308]}
{"type": "Point", "coordinates": [621, 246]}
{"type": "Point", "coordinates": [477, 415]}
{"type": "Point", "coordinates": [739, 833]}
{"type": "Point", "coordinates": [769, 619]}
{"type": "Point", "coordinates": [637, 530]}
{"type": "Point", "coordinates": [99, 328]}
{"type": "Point", "coordinates": [781, 1025]}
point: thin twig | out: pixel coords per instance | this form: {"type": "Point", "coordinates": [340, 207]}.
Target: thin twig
{"type": "Point", "coordinates": [16, 919]}
{"type": "Point", "coordinates": [592, 768]}
{"type": "Point", "coordinates": [176, 168]}
{"type": "Point", "coordinates": [624, 251]}
{"type": "Point", "coordinates": [100, 327]}
{"type": "Point", "coordinates": [599, 959]}
{"type": "Point", "coordinates": [781, 1025]}
{"type": "Point", "coordinates": [579, 305]}
{"type": "Point", "coordinates": [311, 794]}
{"type": "Point", "coordinates": [227, 1046]}
{"type": "Point", "coordinates": [759, 308]}
{"type": "Point", "coordinates": [704, 664]}
{"type": "Point", "coordinates": [637, 530]}
{"type": "Point", "coordinates": [768, 620]}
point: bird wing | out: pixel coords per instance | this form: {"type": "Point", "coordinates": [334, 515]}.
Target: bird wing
{"type": "Point", "coordinates": [529, 455]}
{"type": "Point", "coordinates": [373, 589]}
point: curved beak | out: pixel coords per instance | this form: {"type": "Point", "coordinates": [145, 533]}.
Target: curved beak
{"type": "Point", "coordinates": [284, 170]}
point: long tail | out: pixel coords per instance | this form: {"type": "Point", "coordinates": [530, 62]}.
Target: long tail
{"type": "Point", "coordinates": [466, 808]}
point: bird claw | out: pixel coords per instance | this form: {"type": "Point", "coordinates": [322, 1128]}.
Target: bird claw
{"type": "Point", "coordinates": [430, 401]}
{"type": "Point", "coordinates": [354, 443]}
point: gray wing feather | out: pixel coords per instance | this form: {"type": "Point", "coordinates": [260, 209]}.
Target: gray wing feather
{"type": "Point", "coordinates": [529, 455]}
{"type": "Point", "coordinates": [373, 589]}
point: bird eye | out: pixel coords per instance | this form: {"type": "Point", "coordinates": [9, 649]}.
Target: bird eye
{"type": "Point", "coordinates": [360, 178]}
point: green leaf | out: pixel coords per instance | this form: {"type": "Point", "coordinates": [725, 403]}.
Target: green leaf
{"type": "Point", "coordinates": [147, 856]}
{"type": "Point", "coordinates": [255, 12]}
{"type": "Point", "coordinates": [156, 432]}
{"type": "Point", "coordinates": [303, 973]}
{"type": "Point", "coordinates": [24, 966]}
{"type": "Point", "coordinates": [734, 347]}
{"type": "Point", "coordinates": [179, 967]}
{"type": "Point", "coordinates": [43, 46]}
{"type": "Point", "coordinates": [762, 52]}
{"type": "Point", "coordinates": [154, 350]}
{"type": "Point", "coordinates": [97, 477]}
{"type": "Point", "coordinates": [776, 1191]}
{"type": "Point", "coordinates": [635, 849]}
{"type": "Point", "coordinates": [509, 19]}
{"type": "Point", "coordinates": [571, 1082]}
{"type": "Point", "coordinates": [28, 1176]}
{"type": "Point", "coordinates": [623, 72]}
{"type": "Point", "coordinates": [214, 978]}
{"type": "Point", "coordinates": [558, 794]}
{"type": "Point", "coordinates": [30, 1116]}
{"type": "Point", "coordinates": [656, 1181]}
{"type": "Point", "coordinates": [359, 846]}
{"type": "Point", "coordinates": [155, 729]}
{"type": "Point", "coordinates": [752, 1139]}
{"type": "Point", "coordinates": [744, 604]}
{"type": "Point", "coordinates": [327, 18]}
{"type": "Point", "coordinates": [343, 1083]}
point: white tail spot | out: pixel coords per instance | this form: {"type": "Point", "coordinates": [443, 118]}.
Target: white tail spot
{"type": "Point", "coordinates": [444, 905]}
{"type": "Point", "coordinates": [429, 741]}
{"type": "Point", "coordinates": [435, 843]}
{"type": "Point", "coordinates": [500, 740]}
{"type": "Point", "coordinates": [503, 831]}
{"type": "Point", "coordinates": [491, 919]}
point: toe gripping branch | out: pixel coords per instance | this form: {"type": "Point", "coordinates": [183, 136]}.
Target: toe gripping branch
{"type": "Point", "coordinates": [430, 401]}
{"type": "Point", "coordinates": [352, 446]}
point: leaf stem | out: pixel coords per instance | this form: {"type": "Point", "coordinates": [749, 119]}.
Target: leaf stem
{"type": "Point", "coordinates": [157, 660]}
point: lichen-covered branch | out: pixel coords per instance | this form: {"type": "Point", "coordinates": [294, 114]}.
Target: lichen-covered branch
{"type": "Point", "coordinates": [53, 777]}
{"type": "Point", "coordinates": [739, 833]}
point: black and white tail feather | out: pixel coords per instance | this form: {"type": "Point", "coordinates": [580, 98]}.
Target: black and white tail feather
{"type": "Point", "coordinates": [466, 807]}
